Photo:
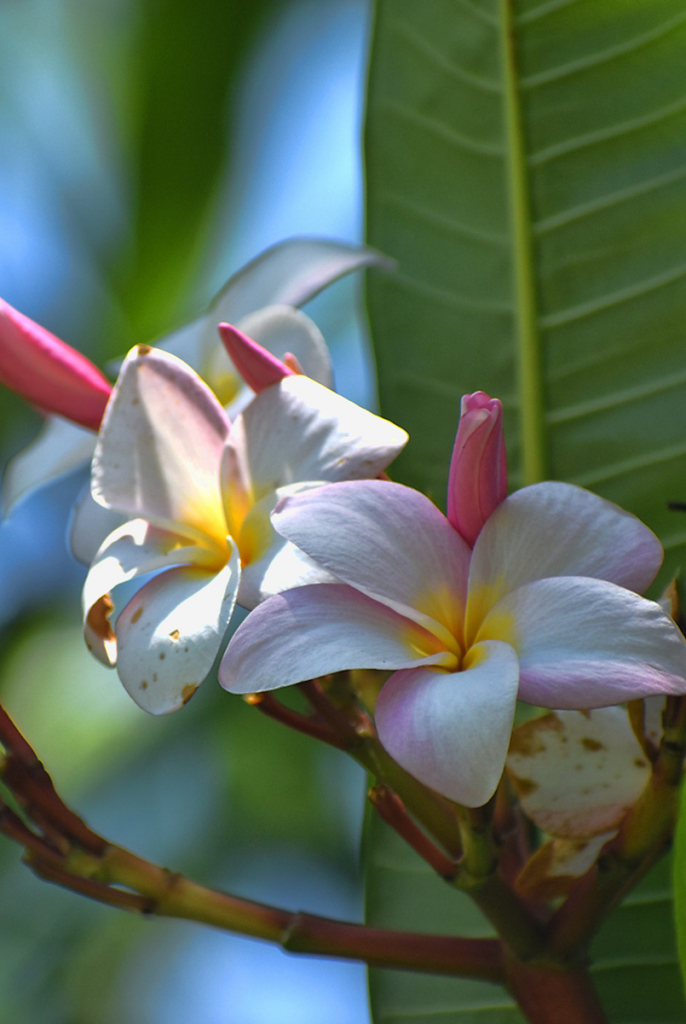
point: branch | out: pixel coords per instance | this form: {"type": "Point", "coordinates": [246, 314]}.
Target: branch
{"type": "Point", "coordinates": [390, 808]}
{"type": "Point", "coordinates": [66, 852]}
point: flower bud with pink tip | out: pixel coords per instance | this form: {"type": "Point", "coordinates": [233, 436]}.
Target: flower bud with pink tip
{"type": "Point", "coordinates": [257, 366]}
{"type": "Point", "coordinates": [49, 373]}
{"type": "Point", "coordinates": [478, 469]}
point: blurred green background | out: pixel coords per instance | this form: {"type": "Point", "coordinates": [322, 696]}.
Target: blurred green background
{"type": "Point", "coordinates": [147, 150]}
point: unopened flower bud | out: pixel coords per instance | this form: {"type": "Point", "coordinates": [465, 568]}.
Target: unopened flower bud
{"type": "Point", "coordinates": [478, 469]}
{"type": "Point", "coordinates": [49, 373]}
{"type": "Point", "coordinates": [258, 367]}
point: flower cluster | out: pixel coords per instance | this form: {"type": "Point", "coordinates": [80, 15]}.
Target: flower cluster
{"type": "Point", "coordinates": [277, 504]}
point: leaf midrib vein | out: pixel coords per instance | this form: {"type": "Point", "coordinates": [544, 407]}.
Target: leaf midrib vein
{"type": "Point", "coordinates": [528, 334]}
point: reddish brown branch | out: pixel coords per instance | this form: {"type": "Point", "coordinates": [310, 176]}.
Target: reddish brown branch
{"type": "Point", "coordinates": [435, 954]}
{"type": "Point", "coordinates": [555, 997]}
{"type": "Point", "coordinates": [391, 808]}
{"type": "Point", "coordinates": [305, 724]}
{"type": "Point", "coordinates": [339, 722]}
{"type": "Point", "coordinates": [14, 828]}
{"type": "Point", "coordinates": [108, 894]}
{"type": "Point", "coordinates": [26, 777]}
{"type": "Point", "coordinates": [87, 864]}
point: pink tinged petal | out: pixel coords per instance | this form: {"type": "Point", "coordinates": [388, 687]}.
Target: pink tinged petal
{"type": "Point", "coordinates": [557, 529]}
{"type": "Point", "coordinates": [311, 631]}
{"type": "Point", "coordinates": [132, 550]}
{"type": "Point", "coordinates": [258, 367]}
{"type": "Point", "coordinates": [49, 373]}
{"type": "Point", "coordinates": [60, 448]}
{"type": "Point", "coordinates": [585, 643]}
{"type": "Point", "coordinates": [389, 542]}
{"type": "Point", "coordinates": [299, 430]}
{"type": "Point", "coordinates": [170, 632]}
{"type": "Point", "coordinates": [159, 451]}
{"type": "Point", "coordinates": [577, 773]}
{"type": "Point", "coordinates": [452, 729]}
{"type": "Point", "coordinates": [478, 470]}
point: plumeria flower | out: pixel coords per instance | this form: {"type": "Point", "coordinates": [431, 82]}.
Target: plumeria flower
{"type": "Point", "coordinates": [576, 774]}
{"type": "Point", "coordinates": [197, 491]}
{"type": "Point", "coordinates": [545, 606]}
{"type": "Point", "coordinates": [261, 298]}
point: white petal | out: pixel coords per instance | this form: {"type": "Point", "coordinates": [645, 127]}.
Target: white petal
{"type": "Point", "coordinates": [557, 529]}
{"type": "Point", "coordinates": [271, 564]}
{"type": "Point", "coordinates": [284, 567]}
{"type": "Point", "coordinates": [298, 430]}
{"type": "Point", "coordinates": [132, 550]}
{"type": "Point", "coordinates": [159, 449]}
{"type": "Point", "coordinates": [170, 632]}
{"type": "Point", "coordinates": [60, 448]}
{"type": "Point", "coordinates": [90, 524]}
{"type": "Point", "coordinates": [577, 772]}
{"type": "Point", "coordinates": [186, 342]}
{"type": "Point", "coordinates": [311, 631]}
{"type": "Point", "coordinates": [289, 273]}
{"type": "Point", "coordinates": [451, 729]}
{"type": "Point", "coordinates": [388, 541]}
{"type": "Point", "coordinates": [585, 643]}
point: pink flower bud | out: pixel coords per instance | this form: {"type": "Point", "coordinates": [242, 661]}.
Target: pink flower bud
{"type": "Point", "coordinates": [49, 373]}
{"type": "Point", "coordinates": [478, 469]}
{"type": "Point", "coordinates": [258, 367]}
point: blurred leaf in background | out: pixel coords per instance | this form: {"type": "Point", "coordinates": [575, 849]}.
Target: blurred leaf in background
{"type": "Point", "coordinates": [147, 149]}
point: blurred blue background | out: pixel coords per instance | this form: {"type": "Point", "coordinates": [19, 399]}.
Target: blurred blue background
{"type": "Point", "coordinates": [147, 150]}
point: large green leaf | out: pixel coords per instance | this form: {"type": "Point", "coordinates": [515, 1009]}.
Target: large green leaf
{"type": "Point", "coordinates": [527, 170]}
{"type": "Point", "coordinates": [526, 167]}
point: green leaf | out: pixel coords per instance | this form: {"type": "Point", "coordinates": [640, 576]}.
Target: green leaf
{"type": "Point", "coordinates": [528, 173]}
{"type": "Point", "coordinates": [526, 169]}
{"type": "Point", "coordinates": [679, 882]}
{"type": "Point", "coordinates": [403, 893]}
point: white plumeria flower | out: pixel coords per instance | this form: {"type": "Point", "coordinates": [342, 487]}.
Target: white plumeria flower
{"type": "Point", "coordinates": [260, 299]}
{"type": "Point", "coordinates": [197, 493]}
{"type": "Point", "coordinates": [544, 607]}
